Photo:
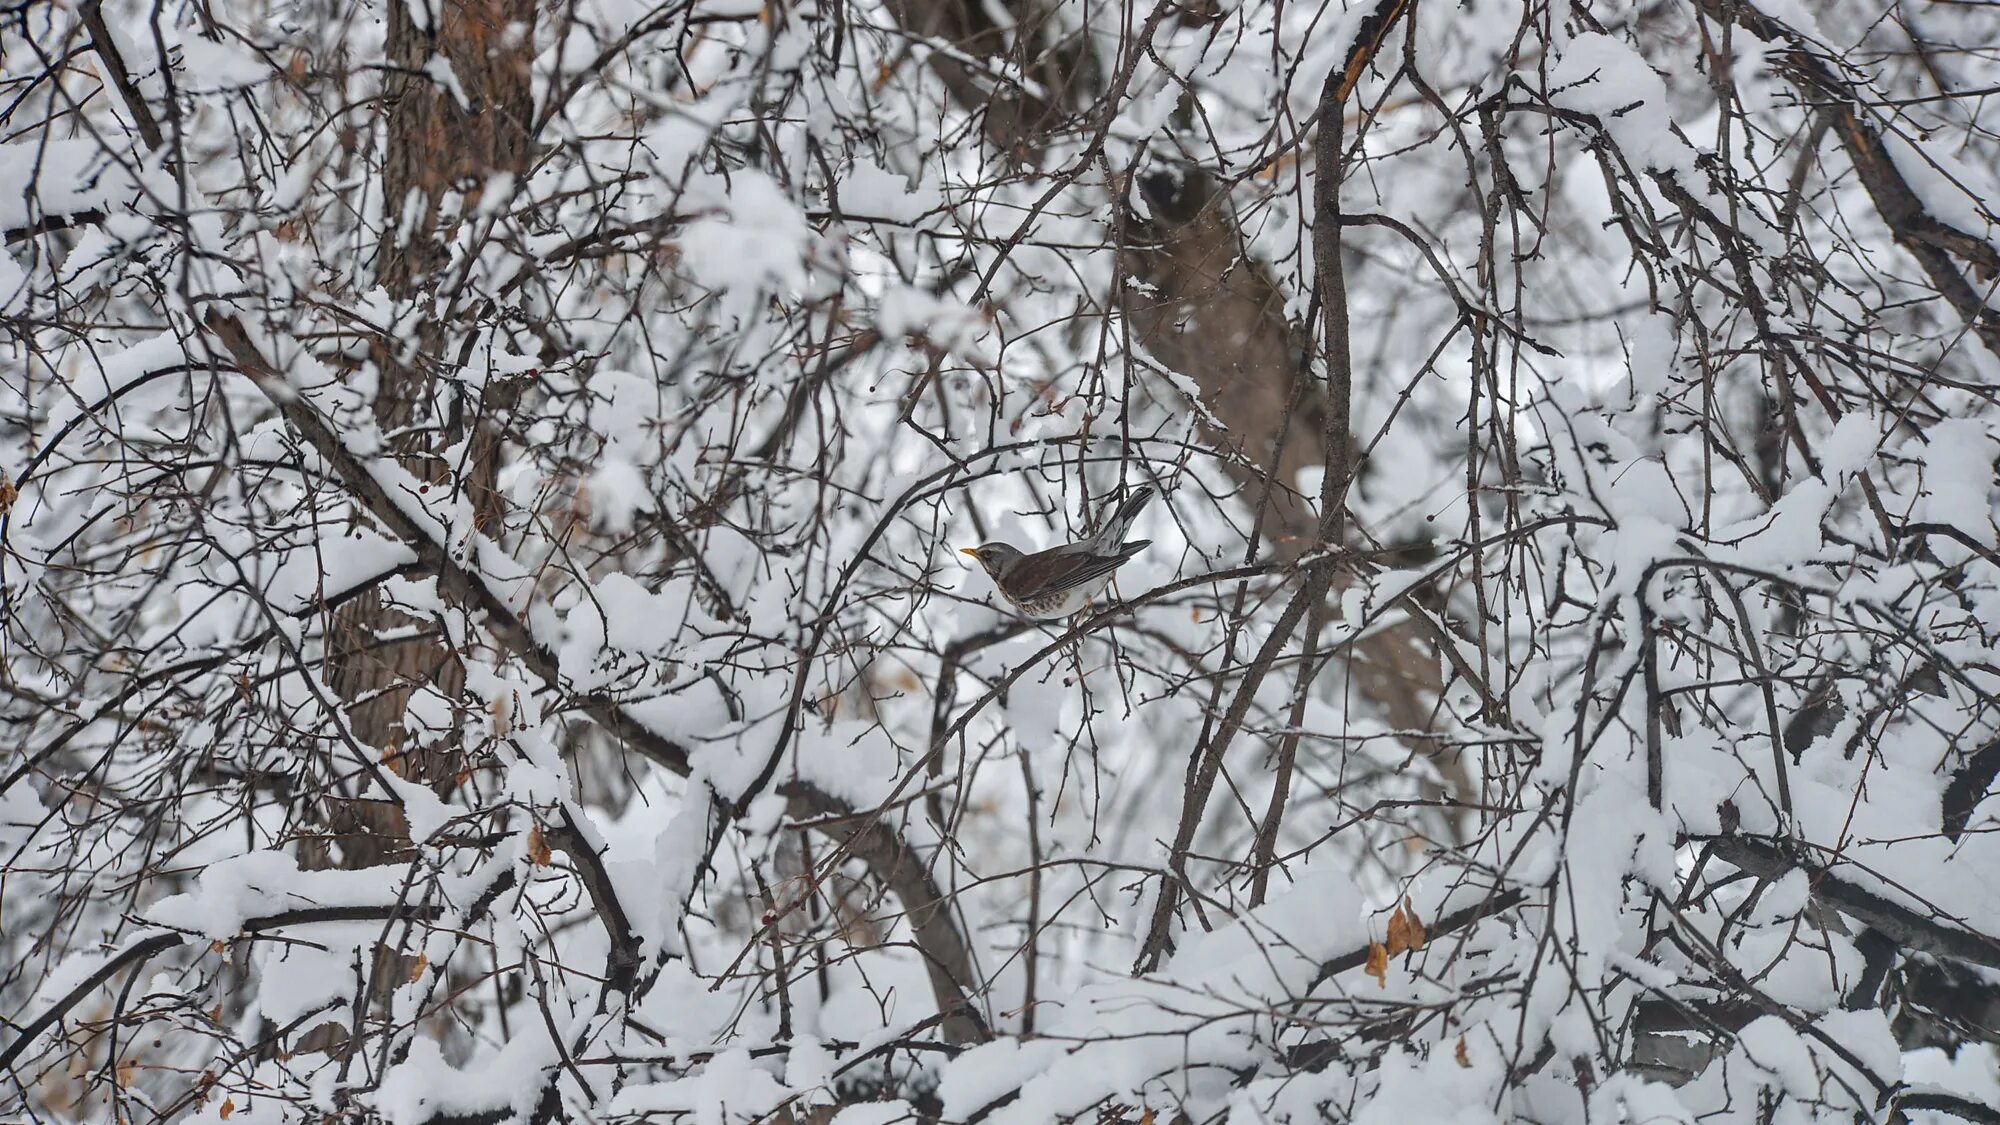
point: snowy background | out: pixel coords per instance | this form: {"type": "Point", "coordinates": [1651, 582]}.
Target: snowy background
{"type": "Point", "coordinates": [485, 640]}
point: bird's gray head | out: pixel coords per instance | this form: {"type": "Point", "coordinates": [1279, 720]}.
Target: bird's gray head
{"type": "Point", "coordinates": [995, 557]}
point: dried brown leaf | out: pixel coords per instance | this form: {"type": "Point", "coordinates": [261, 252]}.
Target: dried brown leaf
{"type": "Point", "coordinates": [1378, 963]}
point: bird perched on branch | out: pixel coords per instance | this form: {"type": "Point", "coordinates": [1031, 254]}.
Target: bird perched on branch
{"type": "Point", "coordinates": [1062, 580]}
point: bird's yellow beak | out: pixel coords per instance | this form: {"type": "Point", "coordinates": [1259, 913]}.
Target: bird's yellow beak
{"type": "Point", "coordinates": [973, 551]}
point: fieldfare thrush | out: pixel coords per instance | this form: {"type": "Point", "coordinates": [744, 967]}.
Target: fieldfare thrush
{"type": "Point", "coordinates": [1062, 580]}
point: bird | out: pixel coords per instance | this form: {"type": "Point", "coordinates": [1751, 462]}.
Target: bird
{"type": "Point", "coordinates": [1062, 580]}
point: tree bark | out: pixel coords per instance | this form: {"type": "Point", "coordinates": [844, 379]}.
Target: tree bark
{"type": "Point", "coordinates": [435, 144]}
{"type": "Point", "coordinates": [378, 657]}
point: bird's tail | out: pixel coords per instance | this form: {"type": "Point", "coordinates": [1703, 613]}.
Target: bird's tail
{"type": "Point", "coordinates": [1112, 534]}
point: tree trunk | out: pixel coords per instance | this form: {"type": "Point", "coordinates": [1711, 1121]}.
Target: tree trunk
{"type": "Point", "coordinates": [435, 145]}
{"type": "Point", "coordinates": [378, 657]}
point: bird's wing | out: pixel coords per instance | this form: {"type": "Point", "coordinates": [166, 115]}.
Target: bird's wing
{"type": "Point", "coordinates": [1057, 570]}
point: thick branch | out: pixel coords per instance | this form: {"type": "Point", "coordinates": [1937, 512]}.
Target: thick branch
{"type": "Point", "coordinates": [1969, 786]}
{"type": "Point", "coordinates": [1909, 928]}
{"type": "Point", "coordinates": [145, 950]}
{"type": "Point", "coordinates": [92, 14]}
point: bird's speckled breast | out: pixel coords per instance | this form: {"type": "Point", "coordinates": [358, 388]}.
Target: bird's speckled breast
{"type": "Point", "coordinates": [1062, 603]}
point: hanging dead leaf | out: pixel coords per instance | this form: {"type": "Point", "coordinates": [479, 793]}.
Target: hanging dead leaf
{"type": "Point", "coordinates": [126, 1071]}
{"type": "Point", "coordinates": [1464, 1060]}
{"type": "Point", "coordinates": [8, 493]}
{"type": "Point", "coordinates": [417, 967]}
{"type": "Point", "coordinates": [1413, 927]}
{"type": "Point", "coordinates": [1378, 963]}
{"type": "Point", "coordinates": [215, 1013]}
{"type": "Point", "coordinates": [1146, 1118]}
{"type": "Point", "coordinates": [228, 1107]}
{"type": "Point", "coordinates": [1399, 932]}
{"type": "Point", "coordinates": [538, 848]}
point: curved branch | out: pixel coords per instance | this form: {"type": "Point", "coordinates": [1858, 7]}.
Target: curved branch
{"type": "Point", "coordinates": [145, 950]}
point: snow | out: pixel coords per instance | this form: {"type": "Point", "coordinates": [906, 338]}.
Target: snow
{"type": "Point", "coordinates": [1436, 1089]}
{"type": "Point", "coordinates": [1602, 76]}
{"type": "Point", "coordinates": [14, 283]}
{"type": "Point", "coordinates": [208, 66]}
{"type": "Point", "coordinates": [1787, 536]}
{"type": "Point", "coordinates": [1974, 1072]}
{"type": "Point", "coordinates": [1865, 1036]}
{"type": "Point", "coordinates": [438, 69]}
{"type": "Point", "coordinates": [53, 178]}
{"type": "Point", "coordinates": [344, 560]}
{"type": "Point", "coordinates": [1795, 14]}
{"type": "Point", "coordinates": [759, 239]}
{"type": "Point", "coordinates": [1851, 446]}
{"type": "Point", "coordinates": [731, 1087]}
{"type": "Point", "coordinates": [809, 1068]}
{"type": "Point", "coordinates": [97, 384]}
{"type": "Point", "coordinates": [261, 884]}
{"type": "Point", "coordinates": [1774, 1046]}
{"type": "Point", "coordinates": [68, 974]}
{"type": "Point", "coordinates": [424, 1087]}
{"type": "Point", "coordinates": [423, 14]}
{"type": "Point", "coordinates": [1951, 190]}
{"type": "Point", "coordinates": [296, 979]}
{"type": "Point", "coordinates": [875, 1113]}
{"type": "Point", "coordinates": [904, 310]}
{"type": "Point", "coordinates": [1644, 490]}
{"type": "Point", "coordinates": [870, 191]}
{"type": "Point", "coordinates": [767, 326]}
{"type": "Point", "coordinates": [1134, 1031]}
{"type": "Point", "coordinates": [1035, 705]}
{"type": "Point", "coordinates": [984, 1074]}
{"type": "Point", "coordinates": [1958, 481]}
